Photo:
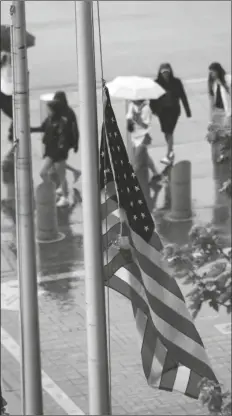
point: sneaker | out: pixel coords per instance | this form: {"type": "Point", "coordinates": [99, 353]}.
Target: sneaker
{"type": "Point", "coordinates": [59, 191]}
{"type": "Point", "coordinates": [166, 161]}
{"type": "Point", "coordinates": [171, 156]}
{"type": "Point", "coordinates": [63, 202]}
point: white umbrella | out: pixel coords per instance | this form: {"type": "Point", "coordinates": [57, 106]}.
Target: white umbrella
{"type": "Point", "coordinates": [135, 88]}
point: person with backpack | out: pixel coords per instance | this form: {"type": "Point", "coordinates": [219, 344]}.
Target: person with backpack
{"type": "Point", "coordinates": [68, 112]}
{"type": "Point", "coordinates": [57, 130]}
{"type": "Point", "coordinates": [167, 108]}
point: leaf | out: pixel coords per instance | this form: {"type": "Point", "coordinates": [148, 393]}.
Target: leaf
{"type": "Point", "coordinates": [228, 309]}
{"type": "Point", "coordinates": [225, 296]}
{"type": "Point", "coordinates": [222, 279]}
{"type": "Point", "coordinates": [213, 303]}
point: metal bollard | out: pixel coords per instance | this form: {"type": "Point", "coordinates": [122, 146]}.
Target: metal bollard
{"type": "Point", "coordinates": [221, 172]}
{"type": "Point", "coordinates": [46, 214]}
{"type": "Point", "coordinates": [181, 203]}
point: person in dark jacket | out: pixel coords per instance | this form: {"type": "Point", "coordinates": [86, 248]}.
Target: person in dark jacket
{"type": "Point", "coordinates": [68, 112]}
{"type": "Point", "coordinates": [56, 139]}
{"type": "Point", "coordinates": [7, 109]}
{"type": "Point", "coordinates": [167, 107]}
{"type": "Point", "coordinates": [219, 90]}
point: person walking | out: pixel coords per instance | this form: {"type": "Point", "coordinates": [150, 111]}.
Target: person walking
{"type": "Point", "coordinates": [68, 112]}
{"type": "Point", "coordinates": [167, 108]}
{"type": "Point", "coordinates": [219, 90]}
{"type": "Point", "coordinates": [8, 176]}
{"type": "Point", "coordinates": [57, 132]}
{"type": "Point", "coordinates": [7, 90]}
{"type": "Point", "coordinates": [139, 118]}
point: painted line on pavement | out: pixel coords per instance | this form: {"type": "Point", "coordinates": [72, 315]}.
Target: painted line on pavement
{"type": "Point", "coordinates": [78, 274]}
{"type": "Point", "coordinates": [49, 386]}
{"type": "Point", "coordinates": [199, 80]}
{"type": "Point", "coordinates": [203, 318]}
{"type": "Point", "coordinates": [225, 329]}
{"type": "Point", "coordinates": [70, 87]}
{"type": "Point", "coordinates": [195, 80]}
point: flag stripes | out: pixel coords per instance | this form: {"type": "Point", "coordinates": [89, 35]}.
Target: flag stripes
{"type": "Point", "coordinates": [172, 352]}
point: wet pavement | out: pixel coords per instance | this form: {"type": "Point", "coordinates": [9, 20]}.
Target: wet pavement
{"type": "Point", "coordinates": [64, 351]}
{"type": "Point", "coordinates": [61, 289]}
{"type": "Point", "coordinates": [62, 311]}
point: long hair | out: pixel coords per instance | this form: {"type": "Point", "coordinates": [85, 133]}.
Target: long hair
{"type": "Point", "coordinates": [221, 73]}
{"type": "Point", "coordinates": [163, 66]}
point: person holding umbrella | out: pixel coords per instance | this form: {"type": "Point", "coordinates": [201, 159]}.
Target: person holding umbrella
{"type": "Point", "coordinates": [137, 91]}
{"type": "Point", "coordinates": [167, 107]}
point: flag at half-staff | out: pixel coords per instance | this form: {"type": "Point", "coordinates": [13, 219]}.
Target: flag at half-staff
{"type": "Point", "coordinates": [172, 352]}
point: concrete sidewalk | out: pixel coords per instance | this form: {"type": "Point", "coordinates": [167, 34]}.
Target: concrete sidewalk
{"type": "Point", "coordinates": [62, 298]}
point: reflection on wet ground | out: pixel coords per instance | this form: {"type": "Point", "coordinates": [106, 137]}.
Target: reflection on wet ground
{"type": "Point", "coordinates": [61, 293]}
{"type": "Point", "coordinates": [65, 255]}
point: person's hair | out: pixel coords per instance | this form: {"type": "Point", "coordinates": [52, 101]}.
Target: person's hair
{"type": "Point", "coordinates": [56, 107]}
{"type": "Point", "coordinates": [221, 73]}
{"type": "Point", "coordinates": [162, 67]}
{"type": "Point", "coordinates": [61, 97]}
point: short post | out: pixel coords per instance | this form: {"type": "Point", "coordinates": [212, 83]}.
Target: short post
{"type": "Point", "coordinates": [46, 214]}
{"type": "Point", "coordinates": [221, 172]}
{"type": "Point", "coordinates": [181, 201]}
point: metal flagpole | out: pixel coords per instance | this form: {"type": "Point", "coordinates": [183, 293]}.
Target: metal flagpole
{"type": "Point", "coordinates": [99, 397]}
{"type": "Point", "coordinates": [30, 343]}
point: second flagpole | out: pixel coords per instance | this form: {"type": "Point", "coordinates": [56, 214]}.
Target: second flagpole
{"type": "Point", "coordinates": [26, 250]}
{"type": "Point", "coordinates": [98, 376]}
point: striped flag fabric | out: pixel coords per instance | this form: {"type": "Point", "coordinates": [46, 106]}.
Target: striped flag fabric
{"type": "Point", "coordinates": [172, 352]}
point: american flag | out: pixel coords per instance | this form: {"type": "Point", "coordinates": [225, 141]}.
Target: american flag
{"type": "Point", "coordinates": [172, 352]}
